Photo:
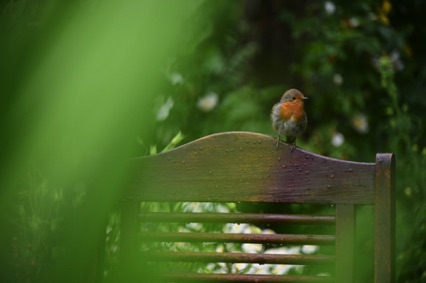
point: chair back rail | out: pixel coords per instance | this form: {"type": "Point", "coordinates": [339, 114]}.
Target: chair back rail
{"type": "Point", "coordinates": [238, 166]}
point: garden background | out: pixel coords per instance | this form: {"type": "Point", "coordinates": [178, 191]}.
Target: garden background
{"type": "Point", "coordinates": [88, 84]}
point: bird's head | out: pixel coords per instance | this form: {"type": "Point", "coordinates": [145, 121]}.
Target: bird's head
{"type": "Point", "coordinates": [293, 95]}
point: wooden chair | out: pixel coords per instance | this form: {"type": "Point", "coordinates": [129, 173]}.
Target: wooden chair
{"type": "Point", "coordinates": [243, 167]}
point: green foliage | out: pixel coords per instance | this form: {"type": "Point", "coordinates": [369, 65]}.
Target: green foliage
{"type": "Point", "coordinates": [411, 178]}
{"type": "Point", "coordinates": [361, 63]}
{"type": "Point", "coordinates": [38, 220]}
{"type": "Point", "coordinates": [77, 83]}
{"type": "Point", "coordinates": [358, 62]}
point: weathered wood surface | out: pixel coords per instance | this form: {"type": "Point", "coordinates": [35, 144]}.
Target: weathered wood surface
{"type": "Point", "coordinates": [253, 218]}
{"type": "Point", "coordinates": [243, 166]}
{"type": "Point", "coordinates": [385, 218]}
{"type": "Point", "coordinates": [240, 257]}
{"type": "Point", "coordinates": [279, 239]}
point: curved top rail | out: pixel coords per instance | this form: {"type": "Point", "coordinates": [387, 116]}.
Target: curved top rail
{"type": "Point", "coordinates": [245, 166]}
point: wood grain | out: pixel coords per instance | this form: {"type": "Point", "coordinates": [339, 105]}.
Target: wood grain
{"type": "Point", "coordinates": [240, 258]}
{"type": "Point", "coordinates": [243, 166]}
{"type": "Point", "coordinates": [385, 218]}
{"type": "Point", "coordinates": [253, 218]}
{"type": "Point", "coordinates": [279, 239]}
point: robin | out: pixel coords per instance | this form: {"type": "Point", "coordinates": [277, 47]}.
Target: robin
{"type": "Point", "coordinates": [288, 116]}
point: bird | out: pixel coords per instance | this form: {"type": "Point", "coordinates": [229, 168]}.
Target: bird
{"type": "Point", "coordinates": [288, 116]}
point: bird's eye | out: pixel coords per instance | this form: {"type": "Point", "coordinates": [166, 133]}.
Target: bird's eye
{"type": "Point", "coordinates": [293, 98]}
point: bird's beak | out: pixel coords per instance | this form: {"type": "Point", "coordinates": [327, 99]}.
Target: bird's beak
{"type": "Point", "coordinates": [304, 98]}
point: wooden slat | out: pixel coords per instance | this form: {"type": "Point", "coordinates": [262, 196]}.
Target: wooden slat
{"type": "Point", "coordinates": [385, 219]}
{"type": "Point", "coordinates": [239, 238]}
{"type": "Point", "coordinates": [345, 240]}
{"type": "Point", "coordinates": [245, 278]}
{"type": "Point", "coordinates": [252, 218]}
{"type": "Point", "coordinates": [240, 258]}
{"type": "Point", "coordinates": [248, 167]}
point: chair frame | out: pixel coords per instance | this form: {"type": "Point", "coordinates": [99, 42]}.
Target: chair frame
{"type": "Point", "coordinates": [248, 167]}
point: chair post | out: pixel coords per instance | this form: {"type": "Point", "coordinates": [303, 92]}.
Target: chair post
{"type": "Point", "coordinates": [345, 239]}
{"type": "Point", "coordinates": [384, 260]}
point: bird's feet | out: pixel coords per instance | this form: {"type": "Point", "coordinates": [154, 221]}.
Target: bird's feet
{"type": "Point", "coordinates": [277, 142]}
{"type": "Point", "coordinates": [292, 146]}
{"type": "Point", "coordinates": [291, 141]}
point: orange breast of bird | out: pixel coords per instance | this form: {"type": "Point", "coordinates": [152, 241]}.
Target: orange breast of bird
{"type": "Point", "coordinates": [292, 110]}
